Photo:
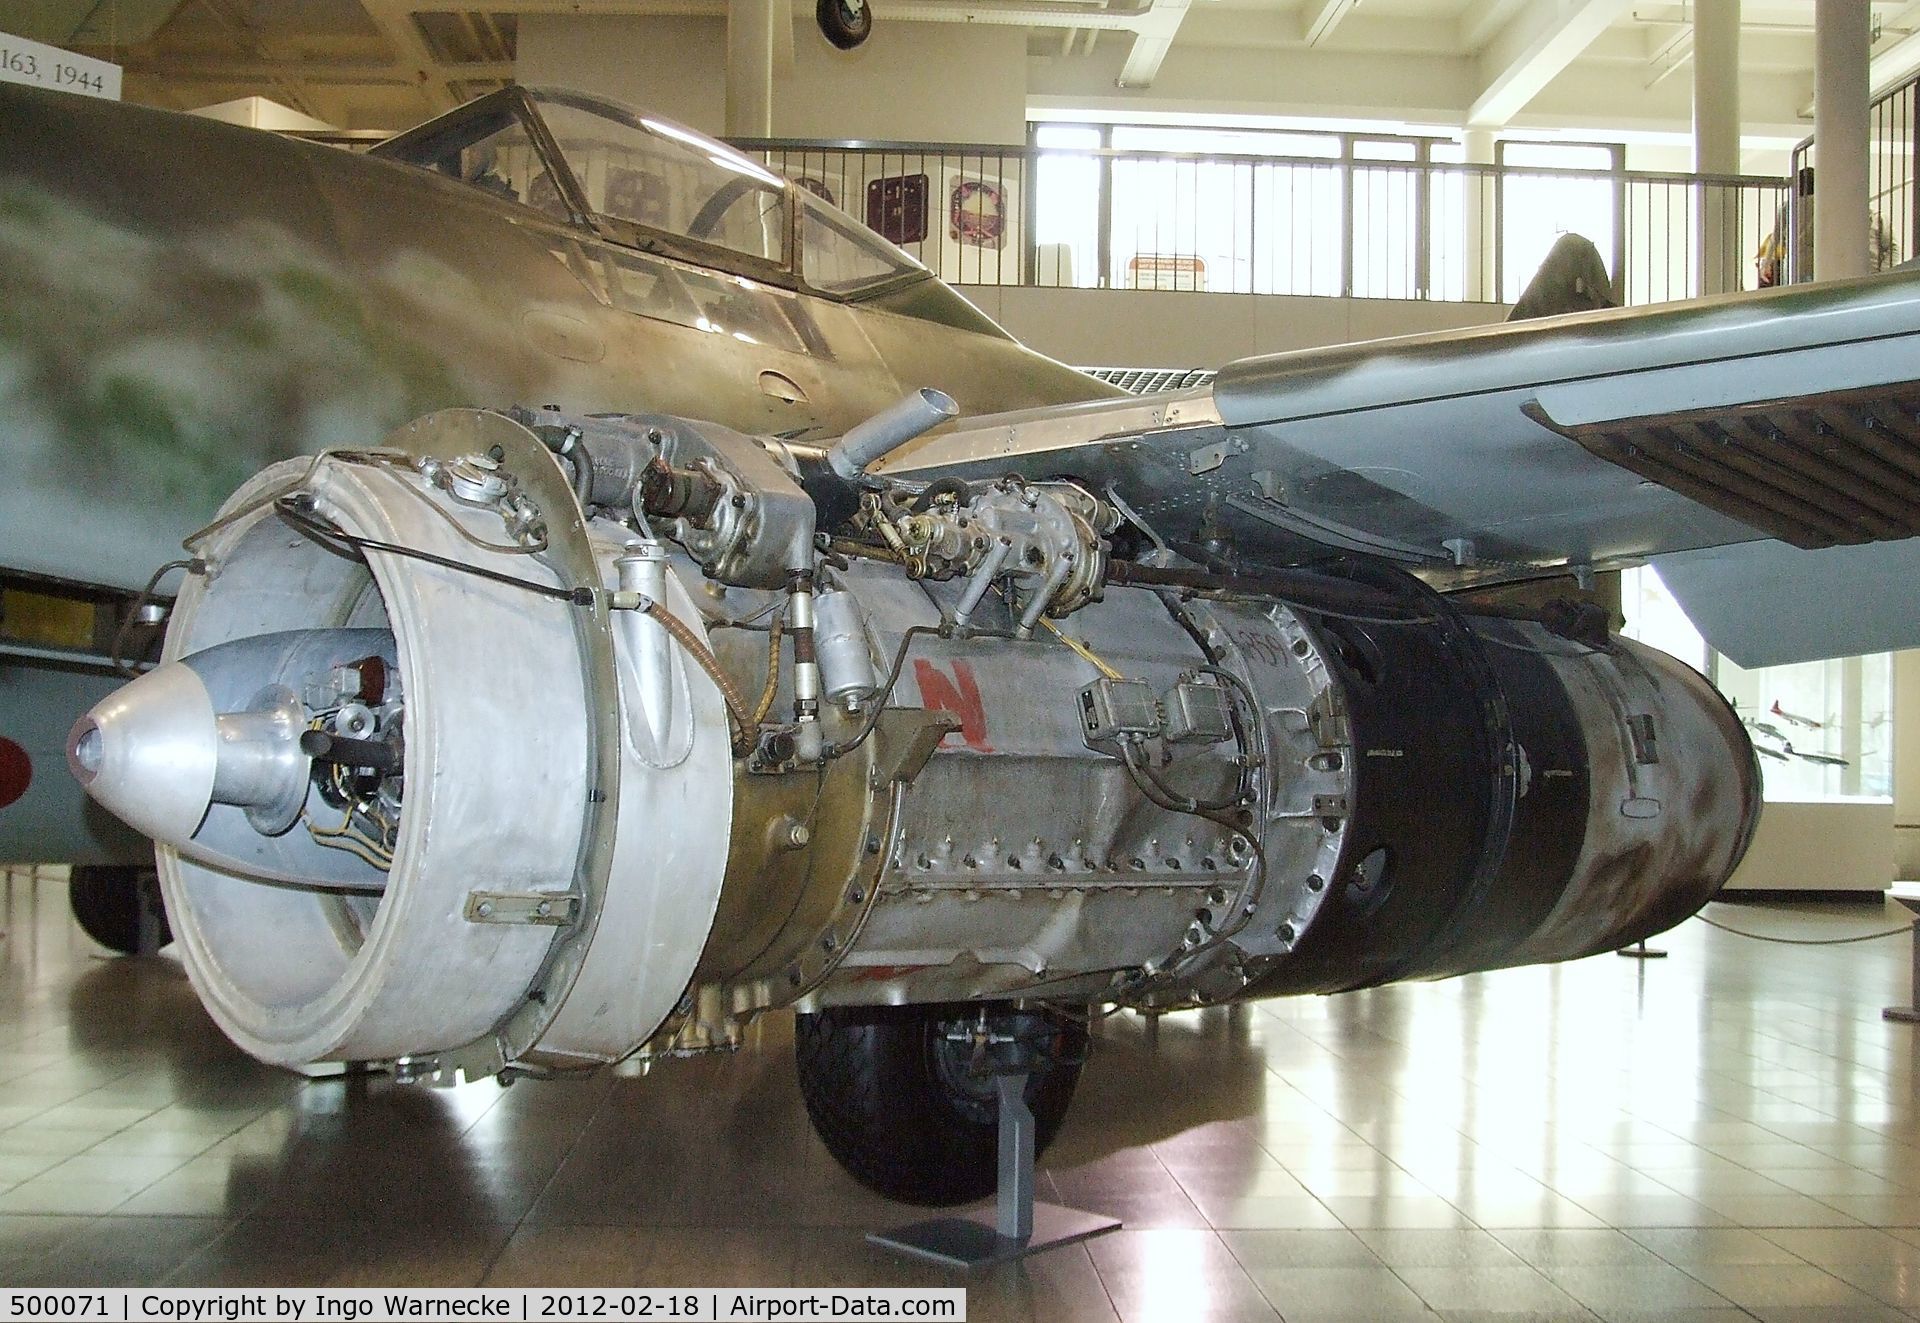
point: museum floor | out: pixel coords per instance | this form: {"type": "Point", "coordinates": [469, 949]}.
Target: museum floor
{"type": "Point", "coordinates": [1729, 1132]}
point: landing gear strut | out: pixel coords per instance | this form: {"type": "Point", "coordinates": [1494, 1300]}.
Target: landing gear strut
{"type": "Point", "coordinates": [907, 1100]}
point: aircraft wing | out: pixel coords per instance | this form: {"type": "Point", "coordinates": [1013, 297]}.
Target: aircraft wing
{"type": "Point", "coordinates": [1700, 431]}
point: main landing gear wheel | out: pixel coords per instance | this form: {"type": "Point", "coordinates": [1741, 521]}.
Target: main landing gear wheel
{"type": "Point", "coordinates": [845, 23]}
{"type": "Point", "coordinates": [108, 903]}
{"type": "Point", "coordinates": [904, 1097]}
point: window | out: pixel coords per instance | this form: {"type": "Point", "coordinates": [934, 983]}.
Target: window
{"type": "Point", "coordinates": [494, 154]}
{"type": "Point", "coordinates": [1654, 617]}
{"type": "Point", "coordinates": [1539, 208]}
{"type": "Point", "coordinates": [669, 179]}
{"type": "Point", "coordinates": [839, 256]}
{"type": "Point", "coordinates": [1067, 206]}
{"type": "Point", "coordinates": [506, 162]}
{"type": "Point", "coordinates": [1822, 729]}
{"type": "Point", "coordinates": [1387, 184]}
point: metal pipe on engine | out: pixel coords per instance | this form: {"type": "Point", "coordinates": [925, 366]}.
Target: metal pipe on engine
{"type": "Point", "coordinates": [983, 577]}
{"type": "Point", "coordinates": [807, 738]}
{"type": "Point", "coordinates": [643, 569]}
{"type": "Point", "coordinates": [890, 429]}
{"type": "Point", "coordinates": [1037, 606]}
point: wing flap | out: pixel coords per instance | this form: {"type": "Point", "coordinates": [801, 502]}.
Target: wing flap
{"type": "Point", "coordinates": [1838, 469]}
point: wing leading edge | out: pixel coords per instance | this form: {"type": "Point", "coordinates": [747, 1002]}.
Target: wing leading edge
{"type": "Point", "coordinates": [1591, 441]}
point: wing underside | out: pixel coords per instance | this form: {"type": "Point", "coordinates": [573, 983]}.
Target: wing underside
{"type": "Point", "coordinates": [1698, 431]}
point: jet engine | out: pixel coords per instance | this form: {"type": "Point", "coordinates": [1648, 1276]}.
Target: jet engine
{"type": "Point", "coordinates": [530, 742]}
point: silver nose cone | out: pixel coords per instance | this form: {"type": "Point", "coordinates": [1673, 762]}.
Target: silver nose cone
{"type": "Point", "coordinates": [148, 753]}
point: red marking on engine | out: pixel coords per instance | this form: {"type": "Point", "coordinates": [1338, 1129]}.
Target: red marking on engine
{"type": "Point", "coordinates": [960, 696]}
{"type": "Point", "coordinates": [885, 973]}
{"type": "Point", "coordinates": [16, 771]}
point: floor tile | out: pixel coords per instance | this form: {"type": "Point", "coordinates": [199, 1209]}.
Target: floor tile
{"type": "Point", "coordinates": [1564, 1144]}
{"type": "Point", "coordinates": [1510, 1290]}
{"type": "Point", "coordinates": [1605, 1288]}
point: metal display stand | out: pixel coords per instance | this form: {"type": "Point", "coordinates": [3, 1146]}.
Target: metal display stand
{"type": "Point", "coordinates": [1017, 1226]}
{"type": "Point", "coordinates": [1641, 951]}
{"type": "Point", "coordinates": [1910, 1013]}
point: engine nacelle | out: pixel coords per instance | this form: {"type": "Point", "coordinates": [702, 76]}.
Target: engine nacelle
{"type": "Point", "coordinates": [451, 761]}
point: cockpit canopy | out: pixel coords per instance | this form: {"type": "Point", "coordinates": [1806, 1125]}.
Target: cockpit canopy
{"type": "Point", "coordinates": [651, 183]}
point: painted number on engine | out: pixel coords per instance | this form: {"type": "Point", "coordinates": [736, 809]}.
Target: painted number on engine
{"type": "Point", "coordinates": [1268, 649]}
{"type": "Point", "coordinates": [958, 694]}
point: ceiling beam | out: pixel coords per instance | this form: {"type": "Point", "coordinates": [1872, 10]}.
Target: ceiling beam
{"type": "Point", "coordinates": [1532, 50]}
{"type": "Point", "coordinates": [1318, 18]}
{"type": "Point", "coordinates": [394, 20]}
{"type": "Point", "coordinates": [343, 73]}
{"type": "Point", "coordinates": [289, 87]}
{"type": "Point", "coordinates": [1153, 37]}
{"type": "Point", "coordinates": [1895, 62]}
{"type": "Point", "coordinates": [1481, 21]}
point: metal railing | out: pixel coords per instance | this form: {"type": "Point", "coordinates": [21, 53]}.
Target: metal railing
{"type": "Point", "coordinates": [1246, 224]}
{"type": "Point", "coordinates": [1893, 163]}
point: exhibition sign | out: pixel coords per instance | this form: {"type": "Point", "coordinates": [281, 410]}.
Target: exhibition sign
{"type": "Point", "coordinates": [39, 65]}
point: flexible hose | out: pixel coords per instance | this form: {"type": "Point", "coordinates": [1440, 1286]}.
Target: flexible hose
{"type": "Point", "coordinates": [743, 721]}
{"type": "Point", "coordinates": [773, 673]}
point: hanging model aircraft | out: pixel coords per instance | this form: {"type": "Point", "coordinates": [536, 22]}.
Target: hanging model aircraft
{"type": "Point", "coordinates": [660, 602]}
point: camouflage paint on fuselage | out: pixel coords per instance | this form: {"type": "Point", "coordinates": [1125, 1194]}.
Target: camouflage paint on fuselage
{"type": "Point", "coordinates": [183, 302]}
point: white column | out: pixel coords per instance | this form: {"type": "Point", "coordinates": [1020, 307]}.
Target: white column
{"type": "Point", "coordinates": [1906, 763]}
{"type": "Point", "coordinates": [1716, 87]}
{"type": "Point", "coordinates": [750, 46]}
{"type": "Point", "coordinates": [1479, 227]}
{"type": "Point", "coordinates": [1842, 41]}
{"type": "Point", "coordinates": [1716, 140]}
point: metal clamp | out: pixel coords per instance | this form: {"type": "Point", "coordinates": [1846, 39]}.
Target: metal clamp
{"type": "Point", "coordinates": [554, 909]}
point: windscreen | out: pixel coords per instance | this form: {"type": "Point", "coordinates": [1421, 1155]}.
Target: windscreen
{"type": "Point", "coordinates": [841, 256]}
{"type": "Point", "coordinates": [666, 178]}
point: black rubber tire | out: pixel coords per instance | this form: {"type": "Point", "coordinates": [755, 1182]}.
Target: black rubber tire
{"type": "Point", "coordinates": [889, 1111]}
{"type": "Point", "coordinates": [106, 901]}
{"type": "Point", "coordinates": [841, 25]}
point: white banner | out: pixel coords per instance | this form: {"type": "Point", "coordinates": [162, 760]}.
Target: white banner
{"type": "Point", "coordinates": [40, 65]}
{"type": "Point", "coordinates": [692, 1304]}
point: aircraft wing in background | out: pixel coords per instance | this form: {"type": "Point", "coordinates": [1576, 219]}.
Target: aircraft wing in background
{"type": "Point", "coordinates": [1761, 448]}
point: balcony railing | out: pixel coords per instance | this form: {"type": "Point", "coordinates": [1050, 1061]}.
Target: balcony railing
{"type": "Point", "coordinates": [1893, 162]}
{"type": "Point", "coordinates": [1244, 224]}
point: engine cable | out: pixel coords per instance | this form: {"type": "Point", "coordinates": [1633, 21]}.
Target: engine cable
{"type": "Point", "coordinates": [878, 703]}
{"type": "Point", "coordinates": [1252, 740]}
{"type": "Point", "coordinates": [292, 510]}
{"type": "Point", "coordinates": [296, 511]}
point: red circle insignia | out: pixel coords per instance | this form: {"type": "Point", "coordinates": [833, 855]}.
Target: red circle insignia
{"type": "Point", "coordinates": [16, 771]}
